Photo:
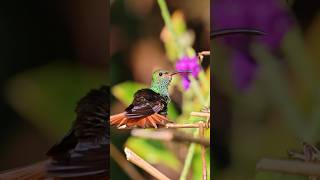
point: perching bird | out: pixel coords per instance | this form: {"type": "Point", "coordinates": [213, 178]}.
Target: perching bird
{"type": "Point", "coordinates": [84, 152]}
{"type": "Point", "coordinates": [149, 106]}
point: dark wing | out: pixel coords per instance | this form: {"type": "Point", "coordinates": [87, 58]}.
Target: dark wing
{"type": "Point", "coordinates": [87, 159]}
{"type": "Point", "coordinates": [84, 150]}
{"type": "Point", "coordinates": [67, 143]}
{"type": "Point", "coordinates": [145, 103]}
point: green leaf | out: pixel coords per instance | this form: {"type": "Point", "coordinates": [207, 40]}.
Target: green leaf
{"type": "Point", "coordinates": [124, 91]}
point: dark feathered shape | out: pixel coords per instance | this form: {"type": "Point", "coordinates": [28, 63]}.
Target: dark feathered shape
{"type": "Point", "coordinates": [84, 151]}
{"type": "Point", "coordinates": [148, 109]}
{"type": "Point", "coordinates": [145, 103]}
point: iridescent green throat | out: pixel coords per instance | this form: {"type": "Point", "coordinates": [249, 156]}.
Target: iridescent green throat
{"type": "Point", "coordinates": [161, 87]}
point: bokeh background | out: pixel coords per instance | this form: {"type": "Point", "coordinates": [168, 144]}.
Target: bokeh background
{"type": "Point", "coordinates": [52, 53]}
{"type": "Point", "coordinates": [266, 89]}
{"type": "Point", "coordinates": [137, 49]}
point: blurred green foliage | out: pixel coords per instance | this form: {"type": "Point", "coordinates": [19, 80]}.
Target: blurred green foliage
{"type": "Point", "coordinates": [47, 96]}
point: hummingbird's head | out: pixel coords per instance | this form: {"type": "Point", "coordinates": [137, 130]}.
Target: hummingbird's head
{"type": "Point", "coordinates": [161, 80]}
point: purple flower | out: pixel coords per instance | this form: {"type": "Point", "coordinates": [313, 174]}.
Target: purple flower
{"type": "Point", "coordinates": [270, 16]}
{"type": "Point", "coordinates": [188, 64]}
{"type": "Point", "coordinates": [243, 69]}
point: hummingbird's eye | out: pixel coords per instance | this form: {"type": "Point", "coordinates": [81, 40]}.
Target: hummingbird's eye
{"type": "Point", "coordinates": [160, 74]}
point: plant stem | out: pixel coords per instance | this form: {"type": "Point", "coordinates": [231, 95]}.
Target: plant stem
{"type": "Point", "coordinates": [167, 20]}
{"type": "Point", "coordinates": [196, 89]}
{"type": "Point", "coordinates": [188, 161]}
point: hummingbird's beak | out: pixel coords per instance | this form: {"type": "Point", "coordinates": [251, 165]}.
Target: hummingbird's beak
{"type": "Point", "coordinates": [223, 32]}
{"type": "Point", "coordinates": [179, 72]}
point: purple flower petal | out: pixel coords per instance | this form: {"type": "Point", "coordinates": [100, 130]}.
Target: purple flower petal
{"type": "Point", "coordinates": [270, 16]}
{"type": "Point", "coordinates": [243, 70]}
{"type": "Point", "coordinates": [188, 64]}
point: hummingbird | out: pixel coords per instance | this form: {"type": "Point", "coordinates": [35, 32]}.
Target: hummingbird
{"type": "Point", "coordinates": [83, 153]}
{"type": "Point", "coordinates": [149, 106]}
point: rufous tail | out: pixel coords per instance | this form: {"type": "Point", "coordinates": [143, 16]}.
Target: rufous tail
{"type": "Point", "coordinates": [32, 172]}
{"type": "Point", "coordinates": [152, 121]}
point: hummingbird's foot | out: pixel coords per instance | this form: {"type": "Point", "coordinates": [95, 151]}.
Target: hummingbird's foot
{"type": "Point", "coordinates": [310, 153]}
{"type": "Point", "coordinates": [205, 109]}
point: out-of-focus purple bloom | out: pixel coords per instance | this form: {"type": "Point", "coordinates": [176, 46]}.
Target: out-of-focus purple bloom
{"type": "Point", "coordinates": [270, 16]}
{"type": "Point", "coordinates": [188, 64]}
{"type": "Point", "coordinates": [243, 69]}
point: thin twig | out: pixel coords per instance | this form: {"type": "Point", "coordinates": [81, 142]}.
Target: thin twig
{"type": "Point", "coordinates": [123, 163]}
{"type": "Point", "coordinates": [203, 153]}
{"type": "Point", "coordinates": [135, 159]}
{"type": "Point", "coordinates": [202, 54]}
{"type": "Point", "coordinates": [289, 167]}
{"type": "Point", "coordinates": [172, 126]}
{"type": "Point", "coordinates": [194, 125]}
{"type": "Point", "coordinates": [167, 135]}
{"type": "Point", "coordinates": [200, 114]}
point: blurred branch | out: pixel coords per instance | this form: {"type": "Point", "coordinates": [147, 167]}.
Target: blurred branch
{"type": "Point", "coordinates": [289, 167]}
{"type": "Point", "coordinates": [169, 136]}
{"type": "Point", "coordinates": [135, 159]}
{"type": "Point", "coordinates": [127, 167]}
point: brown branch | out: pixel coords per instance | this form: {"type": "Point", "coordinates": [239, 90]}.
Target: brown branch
{"type": "Point", "coordinates": [203, 153]}
{"type": "Point", "coordinates": [123, 163]}
{"type": "Point", "coordinates": [194, 125]}
{"type": "Point", "coordinates": [289, 167]}
{"type": "Point", "coordinates": [166, 135]}
{"type": "Point", "coordinates": [173, 126]}
{"type": "Point", "coordinates": [202, 54]}
{"type": "Point", "coordinates": [135, 159]}
{"type": "Point", "coordinates": [200, 114]}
